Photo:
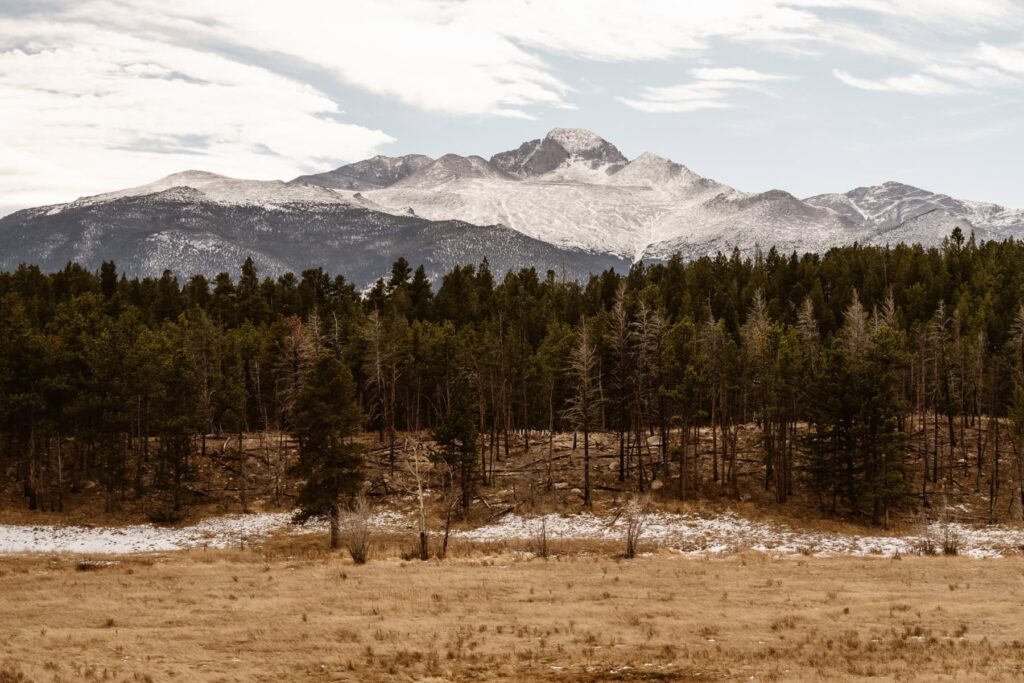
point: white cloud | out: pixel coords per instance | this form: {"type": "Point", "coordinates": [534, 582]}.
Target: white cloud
{"type": "Point", "coordinates": [465, 57]}
{"type": "Point", "coordinates": [1009, 59]}
{"type": "Point", "coordinates": [86, 110]}
{"type": "Point", "coordinates": [962, 14]}
{"type": "Point", "coordinates": [710, 89]}
{"type": "Point", "coordinates": [911, 84]}
{"type": "Point", "coordinates": [487, 57]}
{"type": "Point", "coordinates": [985, 68]}
{"type": "Point", "coordinates": [734, 75]}
{"type": "Point", "coordinates": [977, 77]}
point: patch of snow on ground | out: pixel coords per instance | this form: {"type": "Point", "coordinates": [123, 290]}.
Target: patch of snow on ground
{"type": "Point", "coordinates": [686, 534]}
{"type": "Point", "coordinates": [727, 533]}
{"type": "Point", "coordinates": [215, 532]}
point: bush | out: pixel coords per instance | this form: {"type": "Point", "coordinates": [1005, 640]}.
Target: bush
{"type": "Point", "coordinates": [355, 530]}
{"type": "Point", "coordinates": [926, 546]}
{"type": "Point", "coordinates": [950, 541]}
{"type": "Point", "coordinates": [539, 540]}
{"type": "Point", "coordinates": [635, 515]}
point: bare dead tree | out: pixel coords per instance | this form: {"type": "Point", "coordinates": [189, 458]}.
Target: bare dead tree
{"type": "Point", "coordinates": [619, 337]}
{"type": "Point", "coordinates": [418, 465]}
{"type": "Point", "coordinates": [385, 339]}
{"type": "Point", "coordinates": [584, 405]}
{"type": "Point", "coordinates": [635, 516]}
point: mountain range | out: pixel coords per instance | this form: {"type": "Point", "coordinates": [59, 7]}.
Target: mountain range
{"type": "Point", "coordinates": [570, 202]}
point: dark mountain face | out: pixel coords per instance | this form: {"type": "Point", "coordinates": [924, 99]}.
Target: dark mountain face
{"type": "Point", "coordinates": [531, 158]}
{"type": "Point", "coordinates": [369, 174]}
{"type": "Point", "coordinates": [538, 157]}
{"type": "Point", "coordinates": [181, 231]}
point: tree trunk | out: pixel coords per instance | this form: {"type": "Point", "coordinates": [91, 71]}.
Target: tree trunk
{"type": "Point", "coordinates": [586, 467]}
{"type": "Point", "coordinates": [335, 521]}
{"type": "Point", "coordinates": [243, 475]}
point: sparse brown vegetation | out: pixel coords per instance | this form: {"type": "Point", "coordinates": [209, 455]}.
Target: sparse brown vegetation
{"type": "Point", "coordinates": [293, 611]}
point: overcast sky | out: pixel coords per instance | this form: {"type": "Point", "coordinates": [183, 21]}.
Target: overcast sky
{"type": "Point", "coordinates": [809, 96]}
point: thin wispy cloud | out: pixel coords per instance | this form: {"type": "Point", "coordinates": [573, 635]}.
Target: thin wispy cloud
{"type": "Point", "coordinates": [710, 88]}
{"type": "Point", "coordinates": [983, 68]}
{"type": "Point", "coordinates": [911, 84]}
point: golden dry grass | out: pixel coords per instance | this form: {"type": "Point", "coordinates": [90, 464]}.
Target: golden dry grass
{"type": "Point", "coordinates": [290, 612]}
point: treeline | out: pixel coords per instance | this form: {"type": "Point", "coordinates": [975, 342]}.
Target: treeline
{"type": "Point", "coordinates": [851, 366]}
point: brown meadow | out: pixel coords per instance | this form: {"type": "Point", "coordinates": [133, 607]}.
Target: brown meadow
{"type": "Point", "coordinates": [288, 611]}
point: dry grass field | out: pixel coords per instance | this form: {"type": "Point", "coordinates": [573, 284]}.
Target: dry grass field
{"type": "Point", "coordinates": [288, 611]}
{"type": "Point", "coordinates": [284, 609]}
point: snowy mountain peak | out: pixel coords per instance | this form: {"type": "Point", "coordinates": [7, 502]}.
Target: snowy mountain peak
{"type": "Point", "coordinates": [578, 141]}
{"type": "Point", "coordinates": [559, 149]}
{"type": "Point", "coordinates": [189, 178]}
{"type": "Point", "coordinates": [651, 169]}
{"type": "Point", "coordinates": [896, 185]}
{"type": "Point", "coordinates": [582, 145]}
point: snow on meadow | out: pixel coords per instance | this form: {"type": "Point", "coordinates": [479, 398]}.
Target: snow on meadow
{"type": "Point", "coordinates": [216, 532]}
{"type": "Point", "coordinates": [686, 534]}
{"type": "Point", "coordinates": [729, 533]}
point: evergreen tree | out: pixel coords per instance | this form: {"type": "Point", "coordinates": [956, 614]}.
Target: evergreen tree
{"type": "Point", "coordinates": [456, 433]}
{"type": "Point", "coordinates": [326, 420]}
{"type": "Point", "coordinates": [179, 420]}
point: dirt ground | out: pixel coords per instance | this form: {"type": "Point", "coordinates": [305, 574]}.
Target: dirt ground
{"type": "Point", "coordinates": [533, 478]}
{"type": "Point", "coordinates": [289, 611]}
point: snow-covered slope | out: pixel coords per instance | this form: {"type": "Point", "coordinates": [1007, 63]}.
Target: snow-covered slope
{"type": "Point", "coordinates": [575, 190]}
{"type": "Point", "coordinates": [379, 171]}
{"type": "Point", "coordinates": [451, 168]}
{"type": "Point", "coordinates": [926, 228]}
{"type": "Point", "coordinates": [895, 210]}
{"type": "Point", "coordinates": [222, 189]}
